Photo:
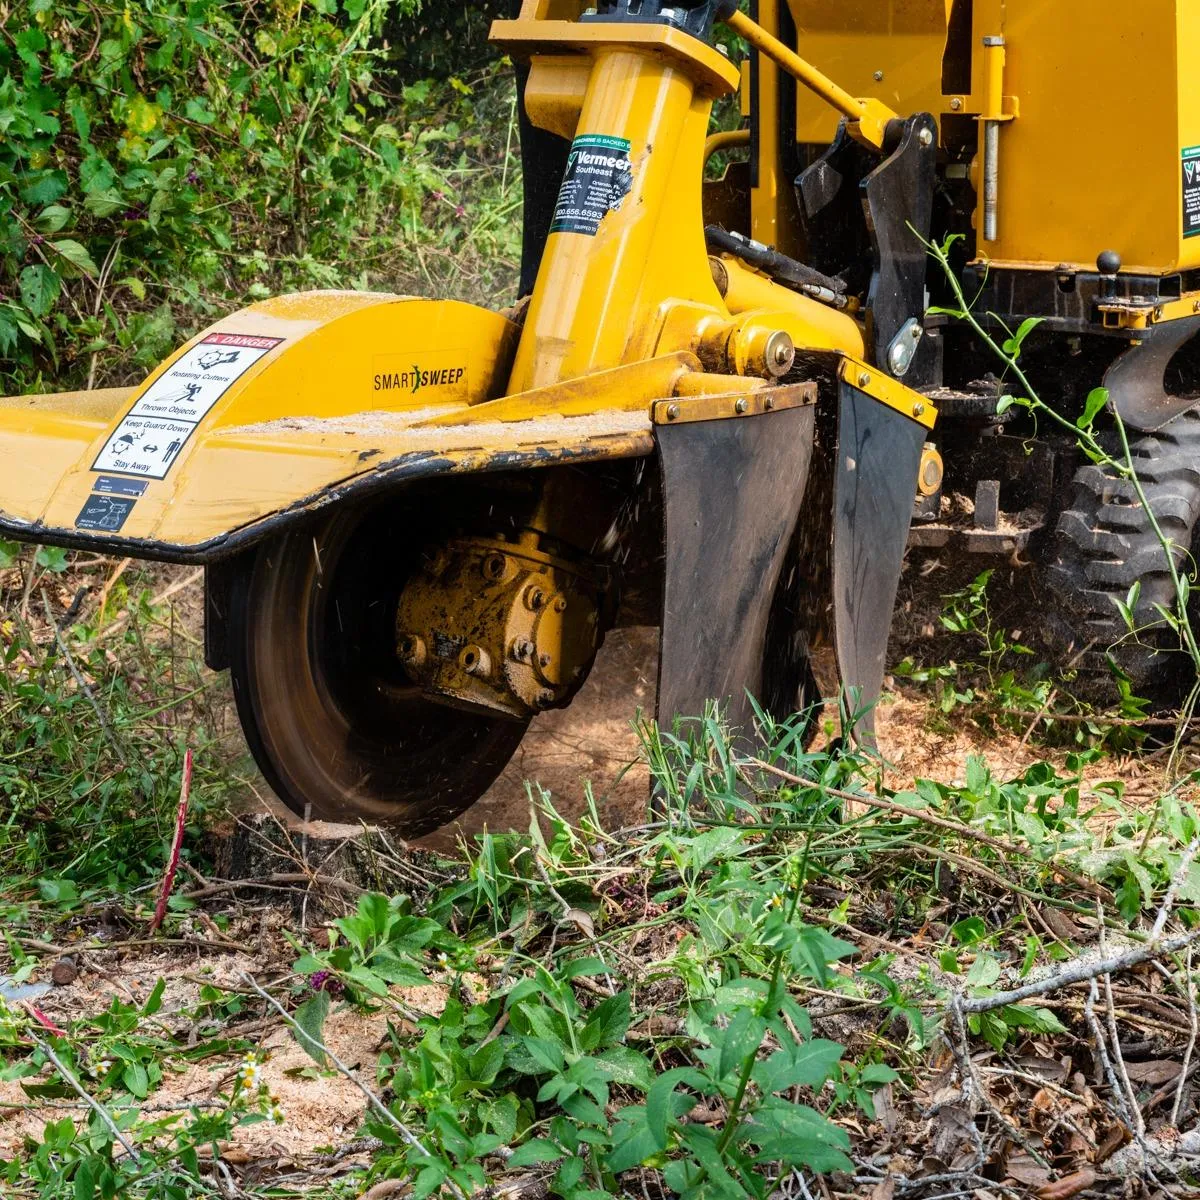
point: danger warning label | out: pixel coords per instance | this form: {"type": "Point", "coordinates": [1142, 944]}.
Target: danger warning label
{"type": "Point", "coordinates": [148, 441]}
{"type": "Point", "coordinates": [599, 176]}
{"type": "Point", "coordinates": [1191, 191]}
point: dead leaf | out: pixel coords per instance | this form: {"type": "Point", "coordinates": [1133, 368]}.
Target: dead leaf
{"type": "Point", "coordinates": [1060, 924]}
{"type": "Point", "coordinates": [582, 920]}
{"type": "Point", "coordinates": [885, 1109]}
{"type": "Point", "coordinates": [1024, 1169]}
{"type": "Point", "coordinates": [1068, 1185]}
{"type": "Point", "coordinates": [1117, 1137]}
{"type": "Point", "coordinates": [1161, 1070]}
{"type": "Point", "coordinates": [885, 1189]}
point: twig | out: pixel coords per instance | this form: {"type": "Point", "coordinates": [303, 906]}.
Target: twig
{"type": "Point", "coordinates": [373, 1100]}
{"type": "Point", "coordinates": [270, 883]}
{"type": "Point", "coordinates": [185, 791]}
{"type": "Point", "coordinates": [92, 1103]}
{"type": "Point", "coordinates": [1081, 971]}
{"type": "Point", "coordinates": [1164, 911]}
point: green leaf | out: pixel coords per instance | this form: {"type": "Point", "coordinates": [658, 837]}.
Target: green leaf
{"type": "Point", "coordinates": [136, 1080]}
{"type": "Point", "coordinates": [640, 1144]}
{"type": "Point", "coordinates": [52, 558]}
{"type": "Point", "coordinates": [985, 970]}
{"type": "Point", "coordinates": [569, 1174]}
{"type": "Point", "coordinates": [624, 1065]}
{"type": "Point", "coordinates": [309, 1030]}
{"type": "Point", "coordinates": [39, 287]}
{"type": "Point", "coordinates": [538, 1150]}
{"type": "Point", "coordinates": [1097, 399]}
{"type": "Point", "coordinates": [9, 553]}
{"type": "Point", "coordinates": [546, 1053]}
{"type": "Point", "coordinates": [1040, 1020]}
{"type": "Point", "coordinates": [52, 218]}
{"type": "Point", "coordinates": [500, 1115]}
{"type": "Point", "coordinates": [486, 1062]}
{"type": "Point", "coordinates": [607, 1023]}
{"type": "Point", "coordinates": [84, 1183]}
{"type": "Point", "coordinates": [1012, 347]}
{"type": "Point", "coordinates": [368, 980]}
{"type": "Point", "coordinates": [154, 1000]}
{"type": "Point", "coordinates": [808, 1064]}
{"type": "Point", "coordinates": [741, 1040]}
{"type": "Point", "coordinates": [75, 254]}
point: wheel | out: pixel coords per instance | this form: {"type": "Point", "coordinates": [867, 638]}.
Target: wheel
{"type": "Point", "coordinates": [1105, 544]}
{"type": "Point", "coordinates": [333, 722]}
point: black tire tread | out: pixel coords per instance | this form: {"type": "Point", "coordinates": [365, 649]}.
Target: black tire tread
{"type": "Point", "coordinates": [1105, 543]}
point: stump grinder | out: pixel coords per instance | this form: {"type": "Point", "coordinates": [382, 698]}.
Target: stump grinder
{"type": "Point", "coordinates": [713, 409]}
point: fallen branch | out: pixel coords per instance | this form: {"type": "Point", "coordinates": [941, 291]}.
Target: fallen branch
{"type": "Point", "coordinates": [1081, 970]}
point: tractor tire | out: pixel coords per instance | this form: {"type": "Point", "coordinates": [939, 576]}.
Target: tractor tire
{"type": "Point", "coordinates": [1104, 545]}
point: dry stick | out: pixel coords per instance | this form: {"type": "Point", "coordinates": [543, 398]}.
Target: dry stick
{"type": "Point", "coordinates": [373, 1100]}
{"type": "Point", "coordinates": [93, 1104]}
{"type": "Point", "coordinates": [929, 818]}
{"type": "Point", "coordinates": [185, 791]}
{"type": "Point", "coordinates": [1177, 879]}
{"type": "Point", "coordinates": [270, 883]}
{"type": "Point", "coordinates": [1082, 971]}
{"type": "Point", "coordinates": [1184, 1070]}
{"type": "Point", "coordinates": [1117, 722]}
{"type": "Point", "coordinates": [1093, 1023]}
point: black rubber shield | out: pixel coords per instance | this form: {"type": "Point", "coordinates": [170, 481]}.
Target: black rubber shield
{"type": "Point", "coordinates": [1135, 380]}
{"type": "Point", "coordinates": [879, 456]}
{"type": "Point", "coordinates": [732, 493]}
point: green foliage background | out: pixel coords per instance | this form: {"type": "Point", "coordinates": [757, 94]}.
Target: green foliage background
{"type": "Point", "coordinates": [162, 163]}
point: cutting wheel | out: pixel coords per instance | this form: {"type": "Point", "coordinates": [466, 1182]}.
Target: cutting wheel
{"type": "Point", "coordinates": [332, 720]}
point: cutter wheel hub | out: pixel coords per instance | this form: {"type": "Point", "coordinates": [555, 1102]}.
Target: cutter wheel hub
{"type": "Point", "coordinates": [500, 626]}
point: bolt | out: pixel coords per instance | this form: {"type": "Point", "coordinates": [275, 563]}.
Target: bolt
{"type": "Point", "coordinates": [925, 137]}
{"type": "Point", "coordinates": [411, 650]}
{"type": "Point", "coordinates": [475, 661]}
{"type": "Point", "coordinates": [545, 698]}
{"type": "Point", "coordinates": [878, 77]}
{"type": "Point", "coordinates": [672, 411]}
{"type": "Point", "coordinates": [899, 357]}
{"type": "Point", "coordinates": [560, 604]}
{"type": "Point", "coordinates": [535, 598]}
{"type": "Point", "coordinates": [522, 650]}
{"type": "Point", "coordinates": [769, 404]}
{"type": "Point", "coordinates": [494, 566]}
{"type": "Point", "coordinates": [780, 353]}
{"type": "Point", "coordinates": [918, 410]}
{"type": "Point", "coordinates": [955, 103]}
{"type": "Point", "coordinates": [742, 407]}
{"type": "Point", "coordinates": [864, 380]}
{"type": "Point", "coordinates": [544, 660]}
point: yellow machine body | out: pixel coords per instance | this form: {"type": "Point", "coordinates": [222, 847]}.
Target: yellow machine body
{"type": "Point", "coordinates": [1063, 197]}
